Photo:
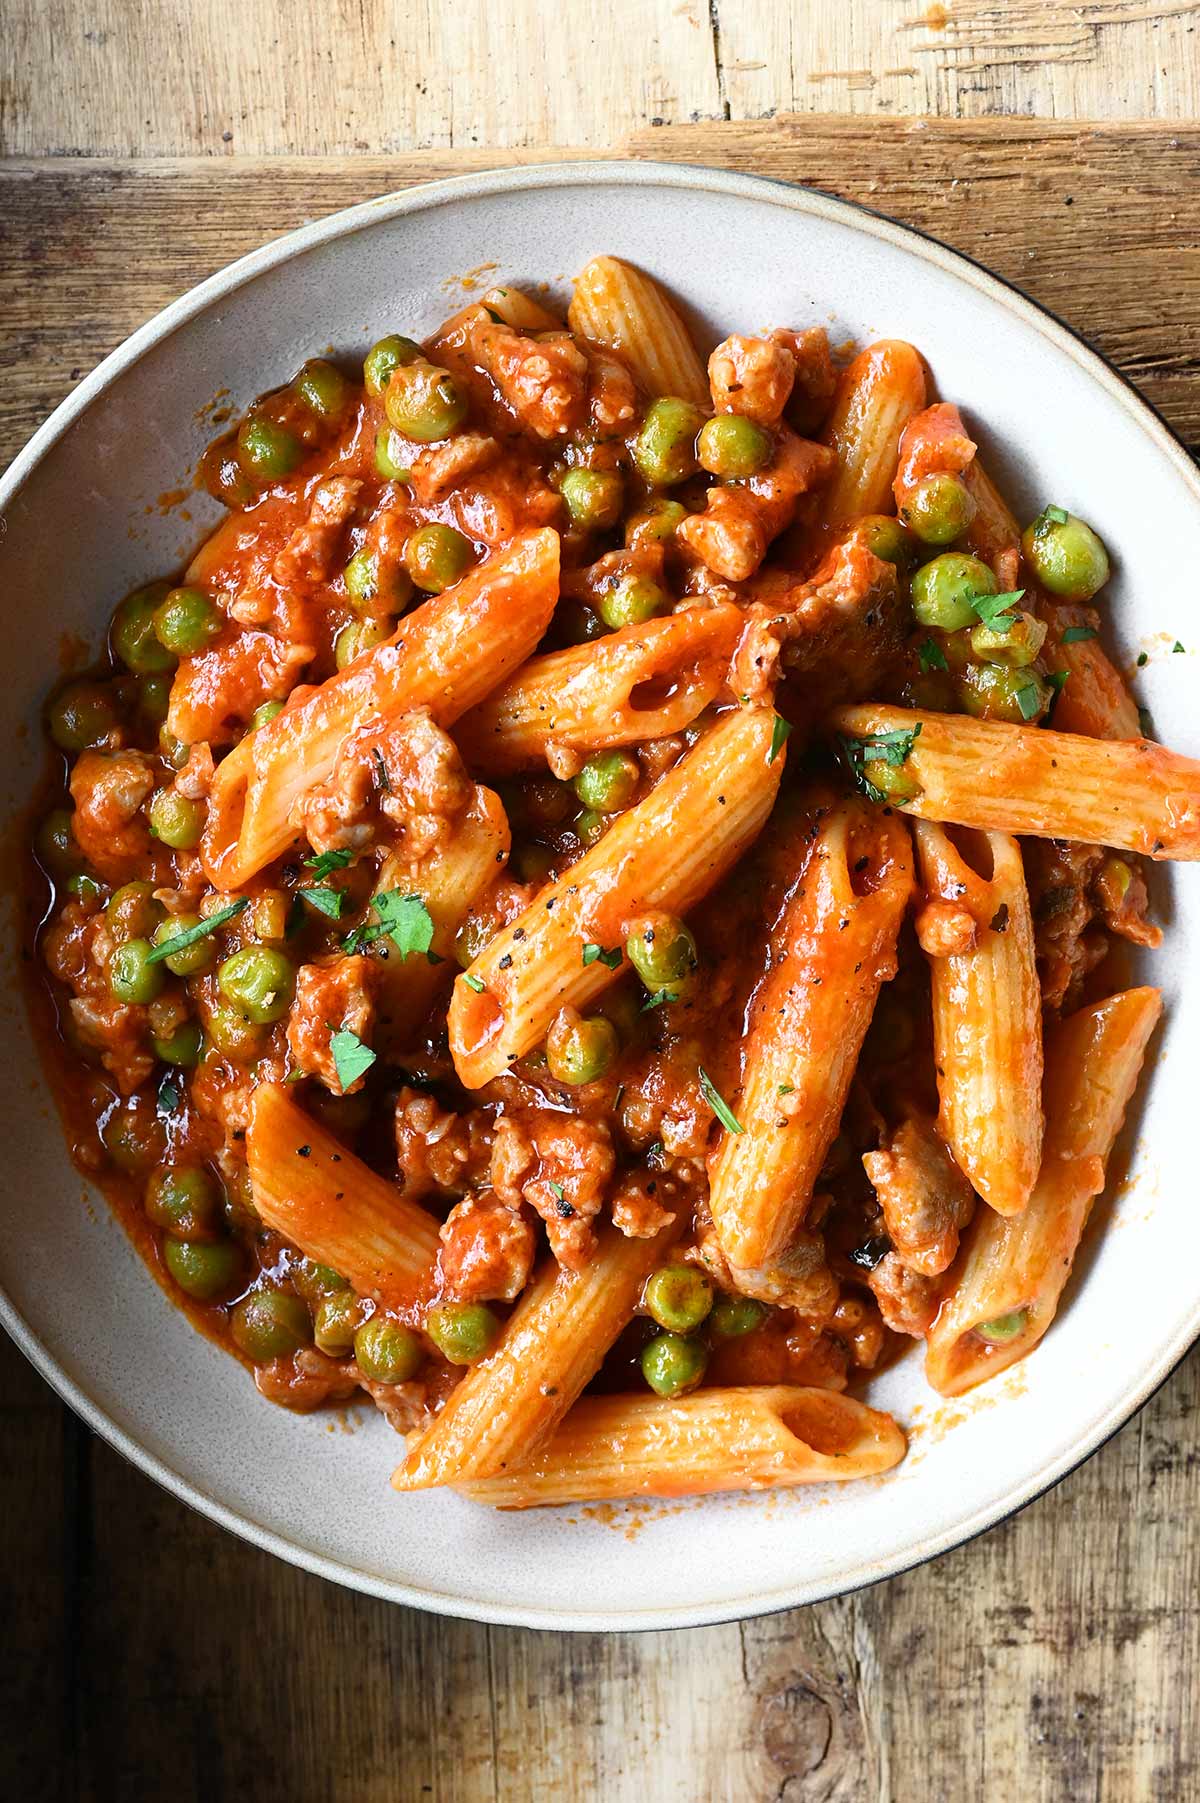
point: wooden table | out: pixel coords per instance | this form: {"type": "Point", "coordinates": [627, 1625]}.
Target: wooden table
{"type": "Point", "coordinates": [148, 1654]}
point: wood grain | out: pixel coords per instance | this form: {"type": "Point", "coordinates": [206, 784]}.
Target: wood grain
{"type": "Point", "coordinates": [151, 1655]}
{"type": "Point", "coordinates": [334, 77]}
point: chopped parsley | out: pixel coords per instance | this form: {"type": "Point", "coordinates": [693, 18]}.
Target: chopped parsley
{"type": "Point", "coordinates": [472, 982]}
{"type": "Point", "coordinates": [168, 1096]}
{"type": "Point", "coordinates": [1076, 635]}
{"type": "Point", "coordinates": [325, 899]}
{"type": "Point", "coordinates": [351, 1058]}
{"type": "Point", "coordinates": [1028, 698]}
{"type": "Point", "coordinates": [994, 610]}
{"type": "Point", "coordinates": [1143, 659]}
{"type": "Point", "coordinates": [780, 732]}
{"type": "Point", "coordinates": [786, 1089]}
{"type": "Point", "coordinates": [930, 655]}
{"type": "Point", "coordinates": [406, 921]}
{"type": "Point", "coordinates": [1058, 680]}
{"type": "Point", "coordinates": [892, 748]}
{"type": "Point", "coordinates": [1057, 515]}
{"type": "Point", "coordinates": [717, 1103]}
{"type": "Point", "coordinates": [201, 930]}
{"type": "Point", "coordinates": [659, 997]}
{"type": "Point", "coordinates": [327, 863]}
{"type": "Point", "coordinates": [1176, 647]}
{"type": "Point", "coordinates": [596, 954]}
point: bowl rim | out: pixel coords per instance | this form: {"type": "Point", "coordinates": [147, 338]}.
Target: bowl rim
{"type": "Point", "coordinates": [481, 185]}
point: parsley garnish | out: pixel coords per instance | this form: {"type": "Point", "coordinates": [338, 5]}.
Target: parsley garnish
{"type": "Point", "coordinates": [475, 983]}
{"type": "Point", "coordinates": [779, 737]}
{"type": "Point", "coordinates": [717, 1102]}
{"type": "Point", "coordinates": [201, 930]}
{"type": "Point", "coordinates": [327, 863]}
{"type": "Point", "coordinates": [658, 998]}
{"type": "Point", "coordinates": [168, 1096]}
{"type": "Point", "coordinates": [1075, 635]}
{"type": "Point", "coordinates": [786, 1089]}
{"type": "Point", "coordinates": [497, 319]}
{"type": "Point", "coordinates": [325, 899]}
{"type": "Point", "coordinates": [892, 748]}
{"type": "Point", "coordinates": [1143, 659]}
{"type": "Point", "coordinates": [404, 918]}
{"type": "Point", "coordinates": [993, 610]}
{"type": "Point", "coordinates": [1057, 514]}
{"type": "Point", "coordinates": [1176, 647]}
{"type": "Point", "coordinates": [1028, 698]}
{"type": "Point", "coordinates": [558, 1189]}
{"type": "Point", "coordinates": [596, 954]}
{"type": "Point", "coordinates": [351, 1058]}
{"type": "Point", "coordinates": [930, 655]}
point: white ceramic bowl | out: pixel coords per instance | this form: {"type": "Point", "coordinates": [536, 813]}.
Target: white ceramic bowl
{"type": "Point", "coordinates": [82, 527]}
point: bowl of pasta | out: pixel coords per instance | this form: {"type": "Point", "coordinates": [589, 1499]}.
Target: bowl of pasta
{"type": "Point", "coordinates": [589, 909]}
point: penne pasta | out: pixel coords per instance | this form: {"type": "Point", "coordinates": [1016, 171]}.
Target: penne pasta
{"type": "Point", "coordinates": [323, 1199]}
{"type": "Point", "coordinates": [1011, 1272]}
{"type": "Point", "coordinates": [449, 880]}
{"type": "Point", "coordinates": [987, 1013]}
{"type": "Point", "coordinates": [877, 396]}
{"type": "Point", "coordinates": [667, 852]}
{"type": "Point", "coordinates": [837, 946]}
{"type": "Point", "coordinates": [446, 656]}
{"type": "Point", "coordinates": [620, 306]}
{"type": "Point", "coordinates": [1133, 796]}
{"type": "Point", "coordinates": [641, 682]}
{"type": "Point", "coordinates": [553, 1344]}
{"type": "Point", "coordinates": [521, 310]}
{"type": "Point", "coordinates": [770, 1436]}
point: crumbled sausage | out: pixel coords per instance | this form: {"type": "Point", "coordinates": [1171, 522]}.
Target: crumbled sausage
{"type": "Point", "coordinates": [438, 1152]}
{"type": "Point", "coordinates": [800, 1278]}
{"type": "Point", "coordinates": [331, 997]}
{"type": "Point", "coordinates": [310, 552]}
{"type": "Point", "coordinates": [815, 382]}
{"type": "Point", "coordinates": [543, 380]}
{"type": "Point", "coordinates": [408, 776]}
{"type": "Point", "coordinates": [933, 442]}
{"type": "Point", "coordinates": [907, 1300]}
{"type": "Point", "coordinates": [109, 789]}
{"type": "Point", "coordinates": [751, 376]}
{"type": "Point", "coordinates": [216, 691]}
{"type": "Point", "coordinates": [638, 1204]}
{"type": "Point", "coordinates": [487, 1250]}
{"type": "Point", "coordinates": [561, 1166]}
{"type": "Point", "coordinates": [946, 929]}
{"type": "Point", "coordinates": [846, 620]}
{"type": "Point", "coordinates": [443, 467]}
{"type": "Point", "coordinates": [924, 1196]}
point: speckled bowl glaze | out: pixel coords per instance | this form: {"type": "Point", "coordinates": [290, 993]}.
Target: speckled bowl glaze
{"type": "Point", "coordinates": [80, 526]}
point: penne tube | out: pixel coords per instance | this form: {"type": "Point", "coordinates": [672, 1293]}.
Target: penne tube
{"type": "Point", "coordinates": [449, 880]}
{"type": "Point", "coordinates": [1133, 796]}
{"type": "Point", "coordinates": [554, 1343]}
{"type": "Point", "coordinates": [667, 852]}
{"type": "Point", "coordinates": [877, 396]}
{"type": "Point", "coordinates": [994, 530]}
{"type": "Point", "coordinates": [987, 1014]}
{"type": "Point", "coordinates": [1011, 1272]}
{"type": "Point", "coordinates": [521, 310]}
{"type": "Point", "coordinates": [766, 1437]}
{"type": "Point", "coordinates": [641, 682]}
{"type": "Point", "coordinates": [837, 945]}
{"type": "Point", "coordinates": [622, 307]}
{"type": "Point", "coordinates": [446, 656]}
{"type": "Point", "coordinates": [323, 1199]}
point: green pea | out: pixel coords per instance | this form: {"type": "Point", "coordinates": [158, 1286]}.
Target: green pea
{"type": "Point", "coordinates": [387, 1352]}
{"type": "Point", "coordinates": [264, 713]}
{"type": "Point", "coordinates": [186, 621]}
{"type": "Point", "coordinates": [655, 523]}
{"type": "Point", "coordinates": [733, 447]}
{"type": "Point", "coordinates": [533, 862]}
{"type": "Point", "coordinates": [942, 590]}
{"type": "Point", "coordinates": [588, 826]}
{"type": "Point", "coordinates": [672, 1365]}
{"type": "Point", "coordinates": [57, 850]}
{"type": "Point", "coordinates": [1004, 1328]}
{"type": "Point", "coordinates": [154, 698]}
{"type": "Point", "coordinates": [733, 1316]}
{"type": "Point", "coordinates": [184, 1201]}
{"type": "Point", "coordinates": [390, 457]}
{"type": "Point", "coordinates": [939, 509]}
{"type": "Point", "coordinates": [323, 387]}
{"type": "Point", "coordinates": [178, 820]}
{"type": "Point", "coordinates": [623, 1007]}
{"type": "Point", "coordinates": [663, 952]}
{"type": "Point", "coordinates": [463, 1332]}
{"type": "Point", "coordinates": [631, 602]}
{"type": "Point", "coordinates": [237, 1204]}
{"type": "Point", "coordinates": [593, 498]}
{"type": "Point", "coordinates": [608, 782]}
{"type": "Point", "coordinates": [234, 1035]}
{"type": "Point", "coordinates": [132, 912]}
{"type": "Point", "coordinates": [191, 959]}
{"type": "Point", "coordinates": [1017, 645]}
{"type": "Point", "coordinates": [131, 976]}
{"type": "Point", "coordinates": [267, 451]}
{"type": "Point", "coordinates": [583, 1051]}
{"type": "Point", "coordinates": [436, 556]}
{"type": "Point", "coordinates": [173, 750]}
{"type": "Point", "coordinates": [83, 715]}
{"type": "Point", "coordinates": [665, 448]}
{"type": "Point", "coordinates": [368, 584]}
{"type": "Point", "coordinates": [336, 1322]}
{"type": "Point", "coordinates": [270, 1324]}
{"type": "Point", "coordinates": [259, 981]}
{"type": "Point", "coordinates": [679, 1297]}
{"type": "Point", "coordinates": [424, 402]}
{"type": "Point", "coordinates": [1065, 555]}
{"type": "Point", "coordinates": [315, 1281]}
{"type": "Point", "coordinates": [357, 637]}
{"type": "Point", "coordinates": [896, 781]}
{"type": "Point", "coordinates": [996, 692]}
{"type": "Point", "coordinates": [134, 1136]}
{"type": "Point", "coordinates": [203, 1271]}
{"type": "Point", "coordinates": [385, 358]}
{"type": "Point", "coordinates": [133, 636]}
{"type": "Point", "coordinates": [184, 1045]}
{"type": "Point", "coordinates": [84, 887]}
{"type": "Point", "coordinates": [888, 539]}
